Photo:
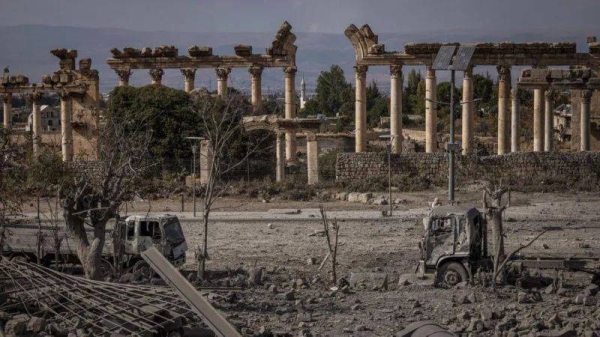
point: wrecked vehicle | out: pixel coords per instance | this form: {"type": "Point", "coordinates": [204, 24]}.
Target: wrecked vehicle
{"type": "Point", "coordinates": [125, 241]}
{"type": "Point", "coordinates": [455, 247]}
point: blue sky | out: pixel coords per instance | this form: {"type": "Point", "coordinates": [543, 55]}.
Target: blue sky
{"type": "Point", "coordinates": [328, 16]}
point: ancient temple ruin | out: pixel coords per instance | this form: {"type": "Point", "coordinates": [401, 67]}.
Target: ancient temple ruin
{"type": "Point", "coordinates": [504, 55]}
{"type": "Point", "coordinates": [281, 54]}
{"type": "Point", "coordinates": [79, 102]}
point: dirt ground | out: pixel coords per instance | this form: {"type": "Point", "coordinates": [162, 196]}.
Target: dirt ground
{"type": "Point", "coordinates": [290, 257]}
{"type": "Point", "coordinates": [294, 298]}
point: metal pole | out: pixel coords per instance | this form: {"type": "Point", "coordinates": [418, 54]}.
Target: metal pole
{"type": "Point", "coordinates": [451, 144]}
{"type": "Point", "coordinates": [194, 147]}
{"type": "Point", "coordinates": [389, 148]}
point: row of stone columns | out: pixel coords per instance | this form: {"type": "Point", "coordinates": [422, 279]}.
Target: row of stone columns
{"type": "Point", "coordinates": [36, 127]}
{"type": "Point", "coordinates": [189, 75]}
{"type": "Point", "coordinates": [395, 108]}
{"type": "Point", "coordinates": [543, 109]}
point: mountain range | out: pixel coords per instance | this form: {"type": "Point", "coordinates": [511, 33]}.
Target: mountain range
{"type": "Point", "coordinates": [25, 49]}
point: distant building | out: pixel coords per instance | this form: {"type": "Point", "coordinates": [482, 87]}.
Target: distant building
{"type": "Point", "coordinates": [302, 93]}
{"type": "Point", "coordinates": [562, 121]}
{"type": "Point", "coordinates": [50, 119]}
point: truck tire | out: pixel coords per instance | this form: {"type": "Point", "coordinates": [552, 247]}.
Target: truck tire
{"type": "Point", "coordinates": [142, 271]}
{"type": "Point", "coordinates": [451, 274]}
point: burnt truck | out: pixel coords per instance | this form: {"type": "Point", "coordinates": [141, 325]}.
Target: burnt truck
{"type": "Point", "coordinates": [455, 247]}
{"type": "Point", "coordinates": [125, 241]}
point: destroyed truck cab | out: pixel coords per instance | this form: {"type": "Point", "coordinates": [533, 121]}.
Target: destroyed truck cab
{"type": "Point", "coordinates": [454, 245]}
{"type": "Point", "coordinates": [136, 234]}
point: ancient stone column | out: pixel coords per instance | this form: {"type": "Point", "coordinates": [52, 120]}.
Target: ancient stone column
{"type": "Point", "coordinates": [205, 161]}
{"type": "Point", "coordinates": [468, 109]}
{"type": "Point", "coordinates": [280, 154]}
{"type": "Point", "coordinates": [503, 95]}
{"type": "Point", "coordinates": [586, 96]}
{"type": "Point", "coordinates": [290, 112]}
{"type": "Point", "coordinates": [515, 125]}
{"type": "Point", "coordinates": [222, 76]}
{"type": "Point", "coordinates": [430, 111]}
{"type": "Point", "coordinates": [123, 77]}
{"type": "Point", "coordinates": [360, 123]}
{"type": "Point", "coordinates": [312, 158]}
{"type": "Point", "coordinates": [156, 75]}
{"type": "Point", "coordinates": [7, 108]}
{"type": "Point", "coordinates": [538, 120]}
{"type": "Point", "coordinates": [36, 127]}
{"type": "Point", "coordinates": [256, 74]}
{"type": "Point", "coordinates": [189, 76]}
{"type": "Point", "coordinates": [549, 120]}
{"type": "Point", "coordinates": [396, 108]}
{"type": "Point", "coordinates": [65, 127]}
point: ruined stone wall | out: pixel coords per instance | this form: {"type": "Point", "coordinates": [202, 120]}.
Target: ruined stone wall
{"type": "Point", "coordinates": [520, 169]}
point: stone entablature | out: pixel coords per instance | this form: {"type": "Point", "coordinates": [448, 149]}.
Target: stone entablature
{"type": "Point", "coordinates": [369, 52]}
{"type": "Point", "coordinates": [281, 54]}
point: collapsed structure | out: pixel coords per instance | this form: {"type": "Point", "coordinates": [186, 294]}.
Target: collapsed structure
{"type": "Point", "coordinates": [504, 56]}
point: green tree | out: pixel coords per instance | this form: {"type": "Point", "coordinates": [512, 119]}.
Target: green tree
{"type": "Point", "coordinates": [163, 110]}
{"type": "Point", "coordinates": [331, 92]}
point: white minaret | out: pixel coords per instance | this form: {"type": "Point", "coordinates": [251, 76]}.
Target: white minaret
{"type": "Point", "coordinates": [302, 93]}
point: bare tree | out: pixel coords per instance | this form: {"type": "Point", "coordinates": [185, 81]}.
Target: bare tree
{"type": "Point", "coordinates": [12, 174]}
{"type": "Point", "coordinates": [331, 235]}
{"type": "Point", "coordinates": [223, 130]}
{"type": "Point", "coordinates": [493, 211]}
{"type": "Point", "coordinates": [95, 192]}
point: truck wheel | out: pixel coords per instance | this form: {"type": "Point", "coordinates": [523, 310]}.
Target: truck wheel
{"type": "Point", "coordinates": [142, 270]}
{"type": "Point", "coordinates": [451, 274]}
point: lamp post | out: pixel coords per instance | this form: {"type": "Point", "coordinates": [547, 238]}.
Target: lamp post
{"type": "Point", "coordinates": [194, 151]}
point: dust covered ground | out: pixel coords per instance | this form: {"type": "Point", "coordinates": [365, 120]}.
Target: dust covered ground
{"type": "Point", "coordinates": [294, 298]}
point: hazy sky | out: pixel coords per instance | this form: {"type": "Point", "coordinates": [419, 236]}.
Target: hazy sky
{"type": "Point", "coordinates": [331, 16]}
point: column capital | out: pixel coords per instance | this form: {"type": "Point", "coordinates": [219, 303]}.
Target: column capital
{"type": "Point", "coordinates": [6, 98]}
{"type": "Point", "coordinates": [586, 95]}
{"type": "Point", "coordinates": [361, 70]}
{"type": "Point", "coordinates": [396, 70]}
{"type": "Point", "coordinates": [222, 73]}
{"type": "Point", "coordinates": [514, 91]}
{"type": "Point", "coordinates": [255, 71]}
{"type": "Point", "coordinates": [469, 70]}
{"type": "Point", "coordinates": [550, 94]}
{"type": "Point", "coordinates": [503, 72]}
{"type": "Point", "coordinates": [36, 96]}
{"type": "Point", "coordinates": [188, 73]}
{"type": "Point", "coordinates": [63, 95]}
{"type": "Point", "coordinates": [310, 136]}
{"type": "Point", "coordinates": [290, 70]}
{"type": "Point", "coordinates": [156, 74]}
{"type": "Point", "coordinates": [123, 74]}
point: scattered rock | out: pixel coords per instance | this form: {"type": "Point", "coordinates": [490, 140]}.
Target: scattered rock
{"type": "Point", "coordinates": [566, 332]}
{"type": "Point", "coordinates": [380, 201]}
{"type": "Point", "coordinates": [16, 326]}
{"type": "Point", "coordinates": [290, 295]}
{"type": "Point", "coordinates": [255, 277]}
{"type": "Point", "coordinates": [36, 324]}
{"type": "Point", "coordinates": [311, 261]}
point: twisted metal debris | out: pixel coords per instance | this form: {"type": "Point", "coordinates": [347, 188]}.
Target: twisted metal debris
{"type": "Point", "coordinates": [101, 308]}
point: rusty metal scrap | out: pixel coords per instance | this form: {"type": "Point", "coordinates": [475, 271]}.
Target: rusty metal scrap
{"type": "Point", "coordinates": [102, 308]}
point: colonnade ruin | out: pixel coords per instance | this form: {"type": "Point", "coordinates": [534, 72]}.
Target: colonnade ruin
{"type": "Point", "coordinates": [505, 55]}
{"type": "Point", "coordinates": [79, 94]}
{"type": "Point", "coordinates": [79, 90]}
